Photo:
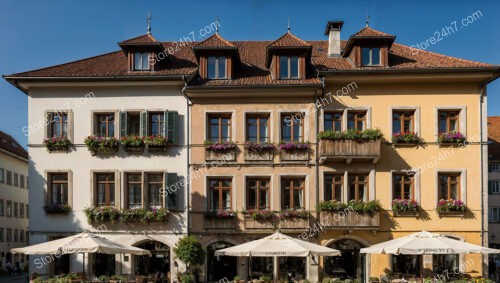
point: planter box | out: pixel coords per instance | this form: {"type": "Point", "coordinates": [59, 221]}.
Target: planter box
{"type": "Point", "coordinates": [405, 213]}
{"type": "Point", "coordinates": [56, 211]}
{"type": "Point", "coordinates": [222, 155]}
{"type": "Point", "coordinates": [157, 148]}
{"type": "Point", "coordinates": [294, 155]}
{"type": "Point", "coordinates": [348, 150]}
{"type": "Point", "coordinates": [266, 155]}
{"type": "Point", "coordinates": [220, 223]}
{"type": "Point", "coordinates": [349, 220]}
{"type": "Point", "coordinates": [294, 223]}
{"type": "Point", "coordinates": [451, 144]}
{"type": "Point", "coordinates": [251, 223]}
{"type": "Point", "coordinates": [60, 148]}
{"type": "Point", "coordinates": [451, 214]}
{"type": "Point", "coordinates": [134, 149]}
{"type": "Point", "coordinates": [108, 151]}
{"type": "Point", "coordinates": [404, 144]}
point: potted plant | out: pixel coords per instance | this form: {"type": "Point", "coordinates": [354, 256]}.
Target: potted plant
{"type": "Point", "coordinates": [451, 207]}
{"type": "Point", "coordinates": [265, 279]}
{"type": "Point", "coordinates": [237, 279]}
{"type": "Point", "coordinates": [101, 213]}
{"type": "Point", "coordinates": [132, 143]}
{"type": "Point", "coordinates": [101, 144]}
{"type": "Point", "coordinates": [103, 278]}
{"type": "Point", "coordinates": [57, 144]}
{"type": "Point", "coordinates": [156, 143]}
{"type": "Point", "coordinates": [189, 250]}
{"type": "Point", "coordinates": [117, 279]}
{"type": "Point", "coordinates": [405, 207]}
{"type": "Point", "coordinates": [156, 215]}
{"type": "Point", "coordinates": [57, 208]}
{"type": "Point", "coordinates": [374, 279]}
{"type": "Point", "coordinates": [405, 138]}
{"type": "Point", "coordinates": [451, 138]}
{"type": "Point", "coordinates": [73, 277]}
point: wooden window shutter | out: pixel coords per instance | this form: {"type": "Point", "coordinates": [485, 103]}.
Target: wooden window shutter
{"type": "Point", "coordinates": [171, 191]}
{"type": "Point", "coordinates": [165, 122]}
{"type": "Point", "coordinates": [123, 124]}
{"type": "Point", "coordinates": [172, 126]}
{"type": "Point", "coordinates": [144, 123]}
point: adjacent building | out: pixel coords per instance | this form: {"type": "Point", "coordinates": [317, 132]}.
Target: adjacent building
{"type": "Point", "coordinates": [263, 136]}
{"type": "Point", "coordinates": [494, 181]}
{"type": "Point", "coordinates": [14, 207]}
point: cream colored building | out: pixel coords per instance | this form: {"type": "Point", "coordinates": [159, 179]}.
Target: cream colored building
{"type": "Point", "coordinates": [14, 205]}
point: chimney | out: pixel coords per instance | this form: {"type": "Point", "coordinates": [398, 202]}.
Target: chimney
{"type": "Point", "coordinates": [333, 31]}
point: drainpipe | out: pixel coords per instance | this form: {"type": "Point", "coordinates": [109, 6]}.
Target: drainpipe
{"type": "Point", "coordinates": [483, 240]}
{"type": "Point", "coordinates": [188, 156]}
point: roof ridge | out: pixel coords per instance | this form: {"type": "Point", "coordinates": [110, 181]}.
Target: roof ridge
{"type": "Point", "coordinates": [293, 36]}
{"type": "Point", "coordinates": [217, 36]}
{"type": "Point", "coordinates": [150, 36]}
{"type": "Point", "coordinates": [381, 33]}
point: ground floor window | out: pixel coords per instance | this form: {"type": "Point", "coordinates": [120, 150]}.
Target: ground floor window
{"type": "Point", "coordinates": [445, 263]}
{"type": "Point", "coordinates": [260, 266]}
{"type": "Point", "coordinates": [158, 264]}
{"type": "Point", "coordinates": [292, 269]}
{"type": "Point", "coordinates": [221, 267]}
{"type": "Point", "coordinates": [407, 264]}
{"type": "Point", "coordinates": [104, 264]}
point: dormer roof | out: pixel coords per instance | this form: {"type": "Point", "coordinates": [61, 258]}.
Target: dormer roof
{"type": "Point", "coordinates": [144, 42]}
{"type": "Point", "coordinates": [370, 35]}
{"type": "Point", "coordinates": [287, 41]}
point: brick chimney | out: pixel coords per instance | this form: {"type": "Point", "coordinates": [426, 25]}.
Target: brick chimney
{"type": "Point", "coordinates": [333, 31]}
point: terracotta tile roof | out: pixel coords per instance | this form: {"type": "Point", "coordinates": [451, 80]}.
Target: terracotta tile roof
{"type": "Point", "coordinates": [494, 137]}
{"type": "Point", "coordinates": [289, 40]}
{"type": "Point", "coordinates": [368, 31]}
{"type": "Point", "coordinates": [9, 144]}
{"type": "Point", "coordinates": [214, 41]}
{"type": "Point", "coordinates": [142, 39]}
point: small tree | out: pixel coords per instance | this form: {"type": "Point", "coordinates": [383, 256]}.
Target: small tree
{"type": "Point", "coordinates": [190, 251]}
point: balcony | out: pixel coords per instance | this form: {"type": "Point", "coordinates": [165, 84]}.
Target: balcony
{"type": "Point", "coordinates": [258, 224]}
{"type": "Point", "coordinates": [350, 220]}
{"type": "Point", "coordinates": [349, 150]}
{"type": "Point", "coordinates": [220, 223]}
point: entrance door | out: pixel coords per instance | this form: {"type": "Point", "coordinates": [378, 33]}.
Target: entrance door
{"type": "Point", "coordinates": [222, 266]}
{"type": "Point", "coordinates": [351, 263]}
{"type": "Point", "coordinates": [158, 264]}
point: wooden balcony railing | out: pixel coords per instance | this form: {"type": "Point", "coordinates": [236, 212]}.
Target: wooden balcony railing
{"type": "Point", "coordinates": [348, 150]}
{"type": "Point", "coordinates": [349, 220]}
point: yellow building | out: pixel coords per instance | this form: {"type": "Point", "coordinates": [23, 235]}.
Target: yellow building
{"type": "Point", "coordinates": [288, 91]}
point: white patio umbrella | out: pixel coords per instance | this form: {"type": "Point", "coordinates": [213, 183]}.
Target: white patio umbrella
{"type": "Point", "coordinates": [426, 243]}
{"type": "Point", "coordinates": [277, 245]}
{"type": "Point", "coordinates": [80, 243]}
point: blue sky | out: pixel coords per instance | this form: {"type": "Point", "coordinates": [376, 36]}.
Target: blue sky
{"type": "Point", "coordinates": [43, 33]}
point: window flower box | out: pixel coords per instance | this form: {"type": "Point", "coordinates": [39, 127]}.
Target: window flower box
{"type": "Point", "coordinates": [258, 219]}
{"type": "Point", "coordinates": [224, 151]}
{"type": "Point", "coordinates": [404, 207]}
{"type": "Point", "coordinates": [451, 207]}
{"type": "Point", "coordinates": [54, 144]}
{"type": "Point", "coordinates": [350, 145]}
{"type": "Point", "coordinates": [57, 208]}
{"type": "Point", "coordinates": [294, 219]}
{"type": "Point", "coordinates": [453, 138]}
{"type": "Point", "coordinates": [102, 144]}
{"type": "Point", "coordinates": [259, 151]}
{"type": "Point", "coordinates": [406, 138]}
{"type": "Point", "coordinates": [101, 214]}
{"type": "Point", "coordinates": [156, 143]}
{"type": "Point", "coordinates": [132, 143]}
{"type": "Point", "coordinates": [220, 219]}
{"type": "Point", "coordinates": [294, 151]}
{"type": "Point", "coordinates": [352, 215]}
{"type": "Point", "coordinates": [140, 215]}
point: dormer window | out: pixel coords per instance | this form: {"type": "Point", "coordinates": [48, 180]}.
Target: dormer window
{"type": "Point", "coordinates": [141, 62]}
{"type": "Point", "coordinates": [289, 67]}
{"type": "Point", "coordinates": [216, 68]}
{"type": "Point", "coordinates": [370, 56]}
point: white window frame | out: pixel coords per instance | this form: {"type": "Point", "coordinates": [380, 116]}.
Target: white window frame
{"type": "Point", "coordinates": [494, 214]}
{"type": "Point", "coordinates": [289, 67]}
{"type": "Point", "coordinates": [495, 186]}
{"type": "Point", "coordinates": [141, 61]}
{"type": "Point", "coordinates": [494, 165]}
{"type": "Point", "coordinates": [371, 56]}
{"type": "Point", "coordinates": [216, 71]}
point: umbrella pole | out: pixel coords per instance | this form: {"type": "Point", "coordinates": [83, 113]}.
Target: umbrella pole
{"type": "Point", "coordinates": [276, 266]}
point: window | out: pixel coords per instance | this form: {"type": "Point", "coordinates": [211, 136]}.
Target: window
{"type": "Point", "coordinates": [2, 235]}
{"type": "Point", "coordinates": [2, 175]}
{"type": "Point", "coordinates": [21, 210]}
{"type": "Point", "coordinates": [258, 193]}
{"type": "Point", "coordinates": [9, 208]}
{"type": "Point", "coordinates": [494, 214]}
{"type": "Point", "coordinates": [358, 187]}
{"type": "Point", "coordinates": [131, 123]}
{"type": "Point", "coordinates": [370, 56]}
{"type": "Point", "coordinates": [9, 177]}
{"type": "Point", "coordinates": [356, 120]}
{"type": "Point", "coordinates": [8, 235]}
{"type": "Point", "coordinates": [494, 186]}
{"type": "Point", "coordinates": [105, 125]}
{"type": "Point", "coordinates": [2, 207]}
{"type": "Point", "coordinates": [219, 128]}
{"type": "Point", "coordinates": [216, 68]}
{"type": "Point", "coordinates": [172, 192]}
{"type": "Point", "coordinates": [57, 124]}
{"type": "Point", "coordinates": [16, 180]}
{"type": "Point", "coordinates": [333, 121]}
{"type": "Point", "coordinates": [448, 120]}
{"type": "Point", "coordinates": [27, 211]}
{"type": "Point", "coordinates": [403, 121]}
{"type": "Point", "coordinates": [105, 190]}
{"type": "Point", "coordinates": [403, 186]}
{"type": "Point", "coordinates": [154, 186]}
{"type": "Point", "coordinates": [21, 181]}
{"type": "Point", "coordinates": [141, 62]}
{"type": "Point", "coordinates": [258, 128]}
{"type": "Point", "coordinates": [292, 193]}
{"type": "Point", "coordinates": [16, 235]}
{"type": "Point", "coordinates": [58, 188]}
{"type": "Point", "coordinates": [220, 193]}
{"type": "Point", "coordinates": [445, 263]}
{"type": "Point", "coordinates": [16, 210]}
{"type": "Point", "coordinates": [292, 127]}
{"type": "Point", "coordinates": [21, 236]}
{"type": "Point", "coordinates": [134, 191]}
{"type": "Point", "coordinates": [406, 264]}
{"type": "Point", "coordinates": [334, 184]}
{"type": "Point", "coordinates": [449, 186]}
{"type": "Point", "coordinates": [289, 67]}
{"type": "Point", "coordinates": [156, 124]}
{"type": "Point", "coordinates": [27, 182]}
{"type": "Point", "coordinates": [494, 167]}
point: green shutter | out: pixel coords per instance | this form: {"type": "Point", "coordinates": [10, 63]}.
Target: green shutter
{"type": "Point", "coordinates": [123, 124]}
{"type": "Point", "coordinates": [165, 122]}
{"type": "Point", "coordinates": [171, 191]}
{"type": "Point", "coordinates": [144, 123]}
{"type": "Point", "coordinates": [172, 126]}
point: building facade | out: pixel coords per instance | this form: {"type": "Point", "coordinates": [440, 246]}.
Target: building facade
{"type": "Point", "coordinates": [312, 138]}
{"type": "Point", "coordinates": [494, 180]}
{"type": "Point", "coordinates": [14, 206]}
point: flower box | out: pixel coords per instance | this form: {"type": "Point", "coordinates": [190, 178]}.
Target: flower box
{"type": "Point", "coordinates": [57, 144]}
{"type": "Point", "coordinates": [294, 151]}
{"type": "Point", "coordinates": [263, 224]}
{"type": "Point", "coordinates": [348, 219]}
{"type": "Point", "coordinates": [259, 151]}
{"type": "Point", "coordinates": [220, 223]}
{"type": "Point", "coordinates": [57, 209]}
{"type": "Point", "coordinates": [102, 145]}
{"type": "Point", "coordinates": [405, 139]}
{"type": "Point", "coordinates": [453, 138]}
{"type": "Point", "coordinates": [451, 213]}
{"type": "Point", "coordinates": [402, 213]}
{"type": "Point", "coordinates": [294, 223]}
{"type": "Point", "coordinates": [451, 207]}
{"type": "Point", "coordinates": [405, 207]}
{"type": "Point", "coordinates": [132, 144]}
{"type": "Point", "coordinates": [140, 215]}
{"type": "Point", "coordinates": [156, 143]}
{"type": "Point", "coordinates": [101, 214]}
{"type": "Point", "coordinates": [224, 152]}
